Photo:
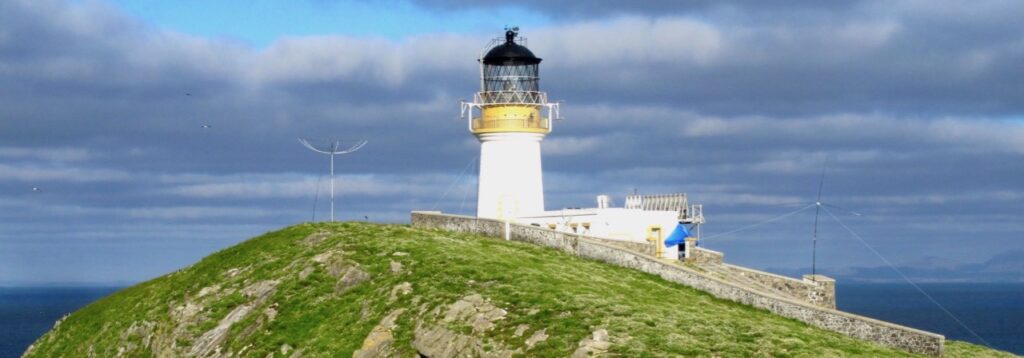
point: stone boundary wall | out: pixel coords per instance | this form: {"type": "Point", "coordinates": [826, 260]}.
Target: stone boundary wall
{"type": "Point", "coordinates": [817, 290]}
{"type": "Point", "coordinates": [645, 248]}
{"type": "Point", "coordinates": [808, 290]}
{"type": "Point", "coordinates": [884, 333]}
{"type": "Point", "coordinates": [824, 292]}
{"type": "Point", "coordinates": [704, 256]}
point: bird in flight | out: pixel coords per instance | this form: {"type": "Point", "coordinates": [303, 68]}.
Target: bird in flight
{"type": "Point", "coordinates": [36, 189]}
{"type": "Point", "coordinates": [207, 126]}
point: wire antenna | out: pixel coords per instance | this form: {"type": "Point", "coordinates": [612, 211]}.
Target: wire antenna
{"type": "Point", "coordinates": [316, 196]}
{"type": "Point", "coordinates": [751, 226]}
{"type": "Point", "coordinates": [457, 180]}
{"type": "Point", "coordinates": [333, 148]}
{"type": "Point", "coordinates": [906, 278]}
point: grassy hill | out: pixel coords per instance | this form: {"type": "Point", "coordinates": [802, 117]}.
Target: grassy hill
{"type": "Point", "coordinates": [315, 290]}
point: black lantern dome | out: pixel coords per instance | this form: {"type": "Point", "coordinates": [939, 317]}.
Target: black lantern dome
{"type": "Point", "coordinates": [510, 53]}
{"type": "Point", "coordinates": [511, 72]}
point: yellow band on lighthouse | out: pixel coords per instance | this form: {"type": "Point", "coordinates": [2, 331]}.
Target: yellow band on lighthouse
{"type": "Point", "coordinates": [511, 118]}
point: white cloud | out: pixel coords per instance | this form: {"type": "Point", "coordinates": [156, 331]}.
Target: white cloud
{"type": "Point", "coordinates": [564, 145]}
{"type": "Point", "coordinates": [302, 186]}
{"type": "Point", "coordinates": [629, 40]}
{"type": "Point", "coordinates": [969, 197]}
{"type": "Point", "coordinates": [964, 133]}
{"type": "Point", "coordinates": [49, 154]}
{"type": "Point", "coordinates": [198, 212]}
{"type": "Point", "coordinates": [33, 173]}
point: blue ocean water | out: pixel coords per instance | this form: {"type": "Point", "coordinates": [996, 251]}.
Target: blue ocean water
{"type": "Point", "coordinates": [28, 312]}
{"type": "Point", "coordinates": [993, 311]}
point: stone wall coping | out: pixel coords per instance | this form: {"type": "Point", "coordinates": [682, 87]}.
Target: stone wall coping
{"type": "Point", "coordinates": [765, 273]}
{"type": "Point", "coordinates": [439, 213]}
{"type": "Point", "coordinates": [681, 267]}
{"type": "Point", "coordinates": [818, 277]}
{"type": "Point", "coordinates": [713, 252]}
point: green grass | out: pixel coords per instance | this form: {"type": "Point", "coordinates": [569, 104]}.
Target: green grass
{"type": "Point", "coordinates": [545, 289]}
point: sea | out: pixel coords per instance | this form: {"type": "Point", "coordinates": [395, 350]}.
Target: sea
{"type": "Point", "coordinates": [983, 313]}
{"type": "Point", "coordinates": [989, 314]}
{"type": "Point", "coordinates": [28, 312]}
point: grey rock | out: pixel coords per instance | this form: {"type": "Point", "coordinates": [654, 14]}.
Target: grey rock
{"type": "Point", "coordinates": [315, 238]}
{"type": "Point", "coordinates": [380, 340]}
{"type": "Point", "coordinates": [537, 337]}
{"type": "Point", "coordinates": [520, 330]}
{"type": "Point", "coordinates": [304, 274]}
{"type": "Point", "coordinates": [401, 289]}
{"type": "Point", "coordinates": [208, 344]}
{"type": "Point", "coordinates": [353, 276]}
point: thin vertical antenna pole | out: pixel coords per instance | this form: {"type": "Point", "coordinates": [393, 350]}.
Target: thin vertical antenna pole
{"type": "Point", "coordinates": [817, 210]}
{"type": "Point", "coordinates": [814, 244]}
{"type": "Point", "coordinates": [332, 184]}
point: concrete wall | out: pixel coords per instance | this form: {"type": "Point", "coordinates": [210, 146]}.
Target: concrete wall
{"type": "Point", "coordinates": [905, 338]}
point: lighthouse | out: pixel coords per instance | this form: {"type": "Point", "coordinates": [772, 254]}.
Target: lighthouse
{"type": "Point", "coordinates": [510, 116]}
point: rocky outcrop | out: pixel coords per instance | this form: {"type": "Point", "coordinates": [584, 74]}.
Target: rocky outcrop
{"type": "Point", "coordinates": [594, 345]}
{"type": "Point", "coordinates": [208, 344]}
{"type": "Point", "coordinates": [315, 238]}
{"type": "Point", "coordinates": [476, 311]}
{"type": "Point", "coordinates": [379, 342]}
{"type": "Point", "coordinates": [438, 341]}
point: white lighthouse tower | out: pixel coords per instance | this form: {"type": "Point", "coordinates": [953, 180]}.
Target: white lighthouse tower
{"type": "Point", "coordinates": [506, 117]}
{"type": "Point", "coordinates": [511, 116]}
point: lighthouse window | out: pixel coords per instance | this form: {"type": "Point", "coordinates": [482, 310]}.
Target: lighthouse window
{"type": "Point", "coordinates": [511, 78]}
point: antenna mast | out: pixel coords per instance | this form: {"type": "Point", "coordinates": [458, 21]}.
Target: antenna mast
{"type": "Point", "coordinates": [334, 148]}
{"type": "Point", "coordinates": [817, 210]}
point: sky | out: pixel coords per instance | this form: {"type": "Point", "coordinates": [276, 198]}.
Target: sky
{"type": "Point", "coordinates": [159, 132]}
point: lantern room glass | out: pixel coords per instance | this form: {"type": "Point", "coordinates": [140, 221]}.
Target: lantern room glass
{"type": "Point", "coordinates": [513, 77]}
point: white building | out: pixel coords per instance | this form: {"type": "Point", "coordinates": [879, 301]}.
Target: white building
{"type": "Point", "coordinates": [648, 219]}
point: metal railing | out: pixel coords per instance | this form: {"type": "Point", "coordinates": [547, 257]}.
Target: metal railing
{"type": "Point", "coordinates": [523, 98]}
{"type": "Point", "coordinates": [693, 214]}
{"type": "Point", "coordinates": [511, 97]}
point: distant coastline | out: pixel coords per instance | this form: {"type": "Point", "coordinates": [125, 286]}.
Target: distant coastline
{"type": "Point", "coordinates": [1007, 267]}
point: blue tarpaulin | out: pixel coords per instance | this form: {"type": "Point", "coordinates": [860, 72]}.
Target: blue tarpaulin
{"type": "Point", "coordinates": [678, 236]}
